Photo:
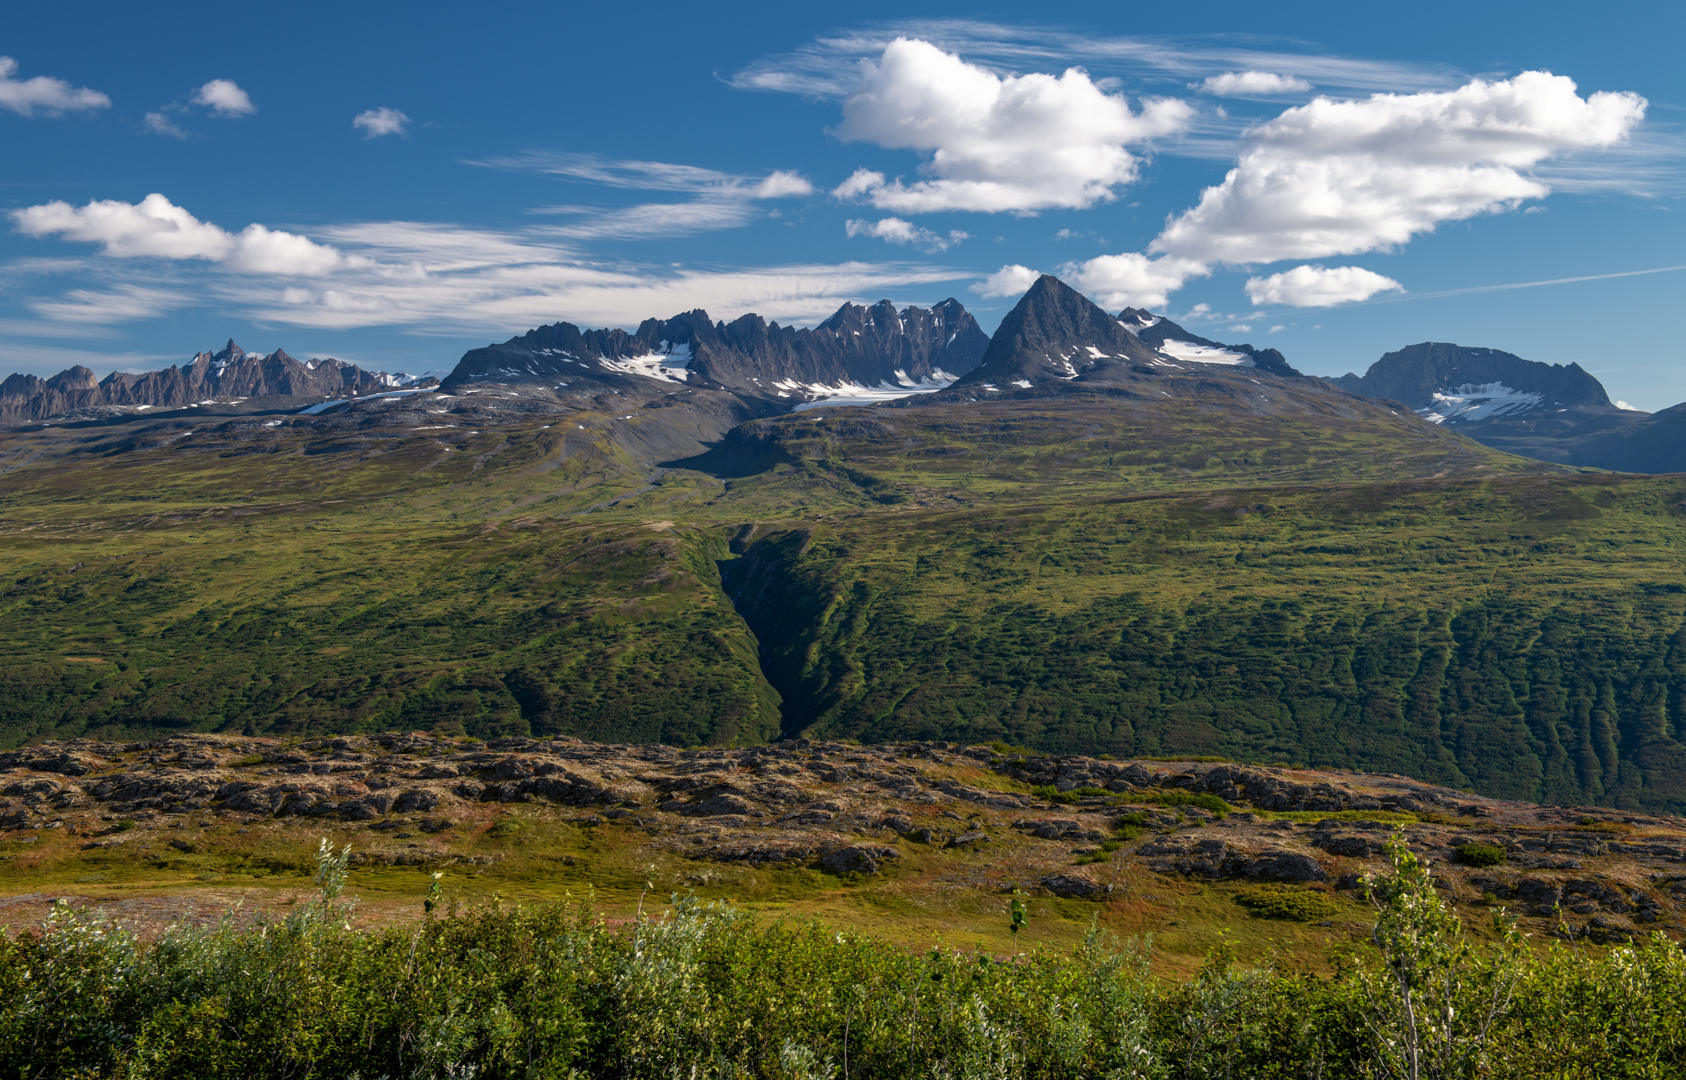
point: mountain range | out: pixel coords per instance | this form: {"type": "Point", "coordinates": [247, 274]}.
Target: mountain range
{"type": "Point", "coordinates": [724, 374]}
{"type": "Point", "coordinates": [1088, 532]}
{"type": "Point", "coordinates": [229, 376]}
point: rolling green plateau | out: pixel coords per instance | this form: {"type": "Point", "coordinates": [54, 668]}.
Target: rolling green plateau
{"type": "Point", "coordinates": [1083, 574]}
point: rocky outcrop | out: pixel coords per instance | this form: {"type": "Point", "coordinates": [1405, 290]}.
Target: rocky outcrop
{"type": "Point", "coordinates": [1216, 858]}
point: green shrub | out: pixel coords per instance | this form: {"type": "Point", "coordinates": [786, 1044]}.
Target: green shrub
{"type": "Point", "coordinates": [1129, 827]}
{"type": "Point", "coordinates": [1391, 817]}
{"type": "Point", "coordinates": [1201, 759]}
{"type": "Point", "coordinates": [1009, 750]}
{"type": "Point", "coordinates": [1053, 794]}
{"type": "Point", "coordinates": [1203, 800]}
{"type": "Point", "coordinates": [1480, 854]}
{"type": "Point", "coordinates": [1300, 905]}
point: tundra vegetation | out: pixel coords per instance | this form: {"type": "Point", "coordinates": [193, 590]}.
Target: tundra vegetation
{"type": "Point", "coordinates": [704, 989]}
{"type": "Point", "coordinates": [1073, 580]}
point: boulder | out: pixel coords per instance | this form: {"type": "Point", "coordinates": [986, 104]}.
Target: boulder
{"type": "Point", "coordinates": [859, 860]}
{"type": "Point", "coordinates": [417, 800]}
{"type": "Point", "coordinates": [1073, 885]}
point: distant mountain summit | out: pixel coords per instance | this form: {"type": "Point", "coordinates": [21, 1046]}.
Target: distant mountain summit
{"type": "Point", "coordinates": [857, 347]}
{"type": "Point", "coordinates": [1554, 412]}
{"type": "Point", "coordinates": [1458, 384]}
{"type": "Point", "coordinates": [229, 375]}
{"type": "Point", "coordinates": [1165, 336]}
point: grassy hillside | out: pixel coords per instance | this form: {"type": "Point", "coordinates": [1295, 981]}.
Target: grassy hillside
{"type": "Point", "coordinates": [1083, 574]}
{"type": "Point", "coordinates": [1523, 637]}
{"type": "Point", "coordinates": [389, 583]}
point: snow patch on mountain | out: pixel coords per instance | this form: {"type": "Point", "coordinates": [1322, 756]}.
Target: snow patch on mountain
{"type": "Point", "coordinates": [669, 363]}
{"type": "Point", "coordinates": [854, 394]}
{"type": "Point", "coordinates": [322, 406]}
{"type": "Point", "coordinates": [1471, 402]}
{"type": "Point", "coordinates": [1204, 354]}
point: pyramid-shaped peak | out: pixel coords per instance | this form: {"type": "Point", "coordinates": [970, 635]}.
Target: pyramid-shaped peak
{"type": "Point", "coordinates": [1054, 332]}
{"type": "Point", "coordinates": [228, 352]}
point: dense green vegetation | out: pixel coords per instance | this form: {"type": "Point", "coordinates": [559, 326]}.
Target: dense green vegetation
{"type": "Point", "coordinates": [1084, 575]}
{"type": "Point", "coordinates": [1523, 637]}
{"type": "Point", "coordinates": [706, 990]}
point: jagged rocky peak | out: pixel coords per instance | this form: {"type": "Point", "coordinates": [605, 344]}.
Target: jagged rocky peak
{"type": "Point", "coordinates": [1459, 385]}
{"type": "Point", "coordinates": [72, 380]}
{"type": "Point", "coordinates": [1165, 336]}
{"type": "Point", "coordinates": [229, 375]}
{"type": "Point", "coordinates": [1055, 333]}
{"type": "Point", "coordinates": [858, 346]}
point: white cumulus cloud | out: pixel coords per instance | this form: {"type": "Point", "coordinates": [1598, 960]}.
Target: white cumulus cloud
{"type": "Point", "coordinates": [1252, 84]}
{"type": "Point", "coordinates": [1019, 143]}
{"type": "Point", "coordinates": [1131, 279]}
{"type": "Point", "coordinates": [1317, 286]}
{"type": "Point", "coordinates": [896, 231]}
{"type": "Point", "coordinates": [1344, 177]}
{"type": "Point", "coordinates": [157, 228]}
{"type": "Point", "coordinates": [225, 98]}
{"type": "Point", "coordinates": [51, 96]}
{"type": "Point", "coordinates": [782, 184]}
{"type": "Point", "coordinates": [1010, 280]}
{"type": "Point", "coordinates": [382, 121]}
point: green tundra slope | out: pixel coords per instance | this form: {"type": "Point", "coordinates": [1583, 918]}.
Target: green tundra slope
{"type": "Point", "coordinates": [1525, 637]}
{"type": "Point", "coordinates": [1079, 573]}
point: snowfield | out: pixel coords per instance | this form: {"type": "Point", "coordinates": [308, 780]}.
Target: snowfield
{"type": "Point", "coordinates": [1470, 402]}
{"type": "Point", "coordinates": [853, 394]}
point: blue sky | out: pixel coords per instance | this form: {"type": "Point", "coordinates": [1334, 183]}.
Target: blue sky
{"type": "Point", "coordinates": [392, 184]}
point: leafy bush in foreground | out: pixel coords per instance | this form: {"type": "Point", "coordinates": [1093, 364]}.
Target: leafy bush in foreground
{"type": "Point", "coordinates": [707, 991]}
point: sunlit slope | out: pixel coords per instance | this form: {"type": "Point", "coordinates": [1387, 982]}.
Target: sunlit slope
{"type": "Point", "coordinates": [1523, 636]}
{"type": "Point", "coordinates": [343, 584]}
{"type": "Point", "coordinates": [1084, 572]}
{"type": "Point", "coordinates": [1079, 444]}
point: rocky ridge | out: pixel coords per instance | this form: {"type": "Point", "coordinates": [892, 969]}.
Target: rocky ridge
{"type": "Point", "coordinates": [851, 809]}
{"type": "Point", "coordinates": [857, 346]}
{"type": "Point", "coordinates": [229, 375]}
{"type": "Point", "coordinates": [1167, 337]}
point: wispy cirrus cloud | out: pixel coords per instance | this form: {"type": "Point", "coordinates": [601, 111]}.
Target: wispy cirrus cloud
{"type": "Point", "coordinates": [718, 200]}
{"type": "Point", "coordinates": [419, 277]}
{"type": "Point", "coordinates": [123, 303]}
{"type": "Point", "coordinates": [827, 67]}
